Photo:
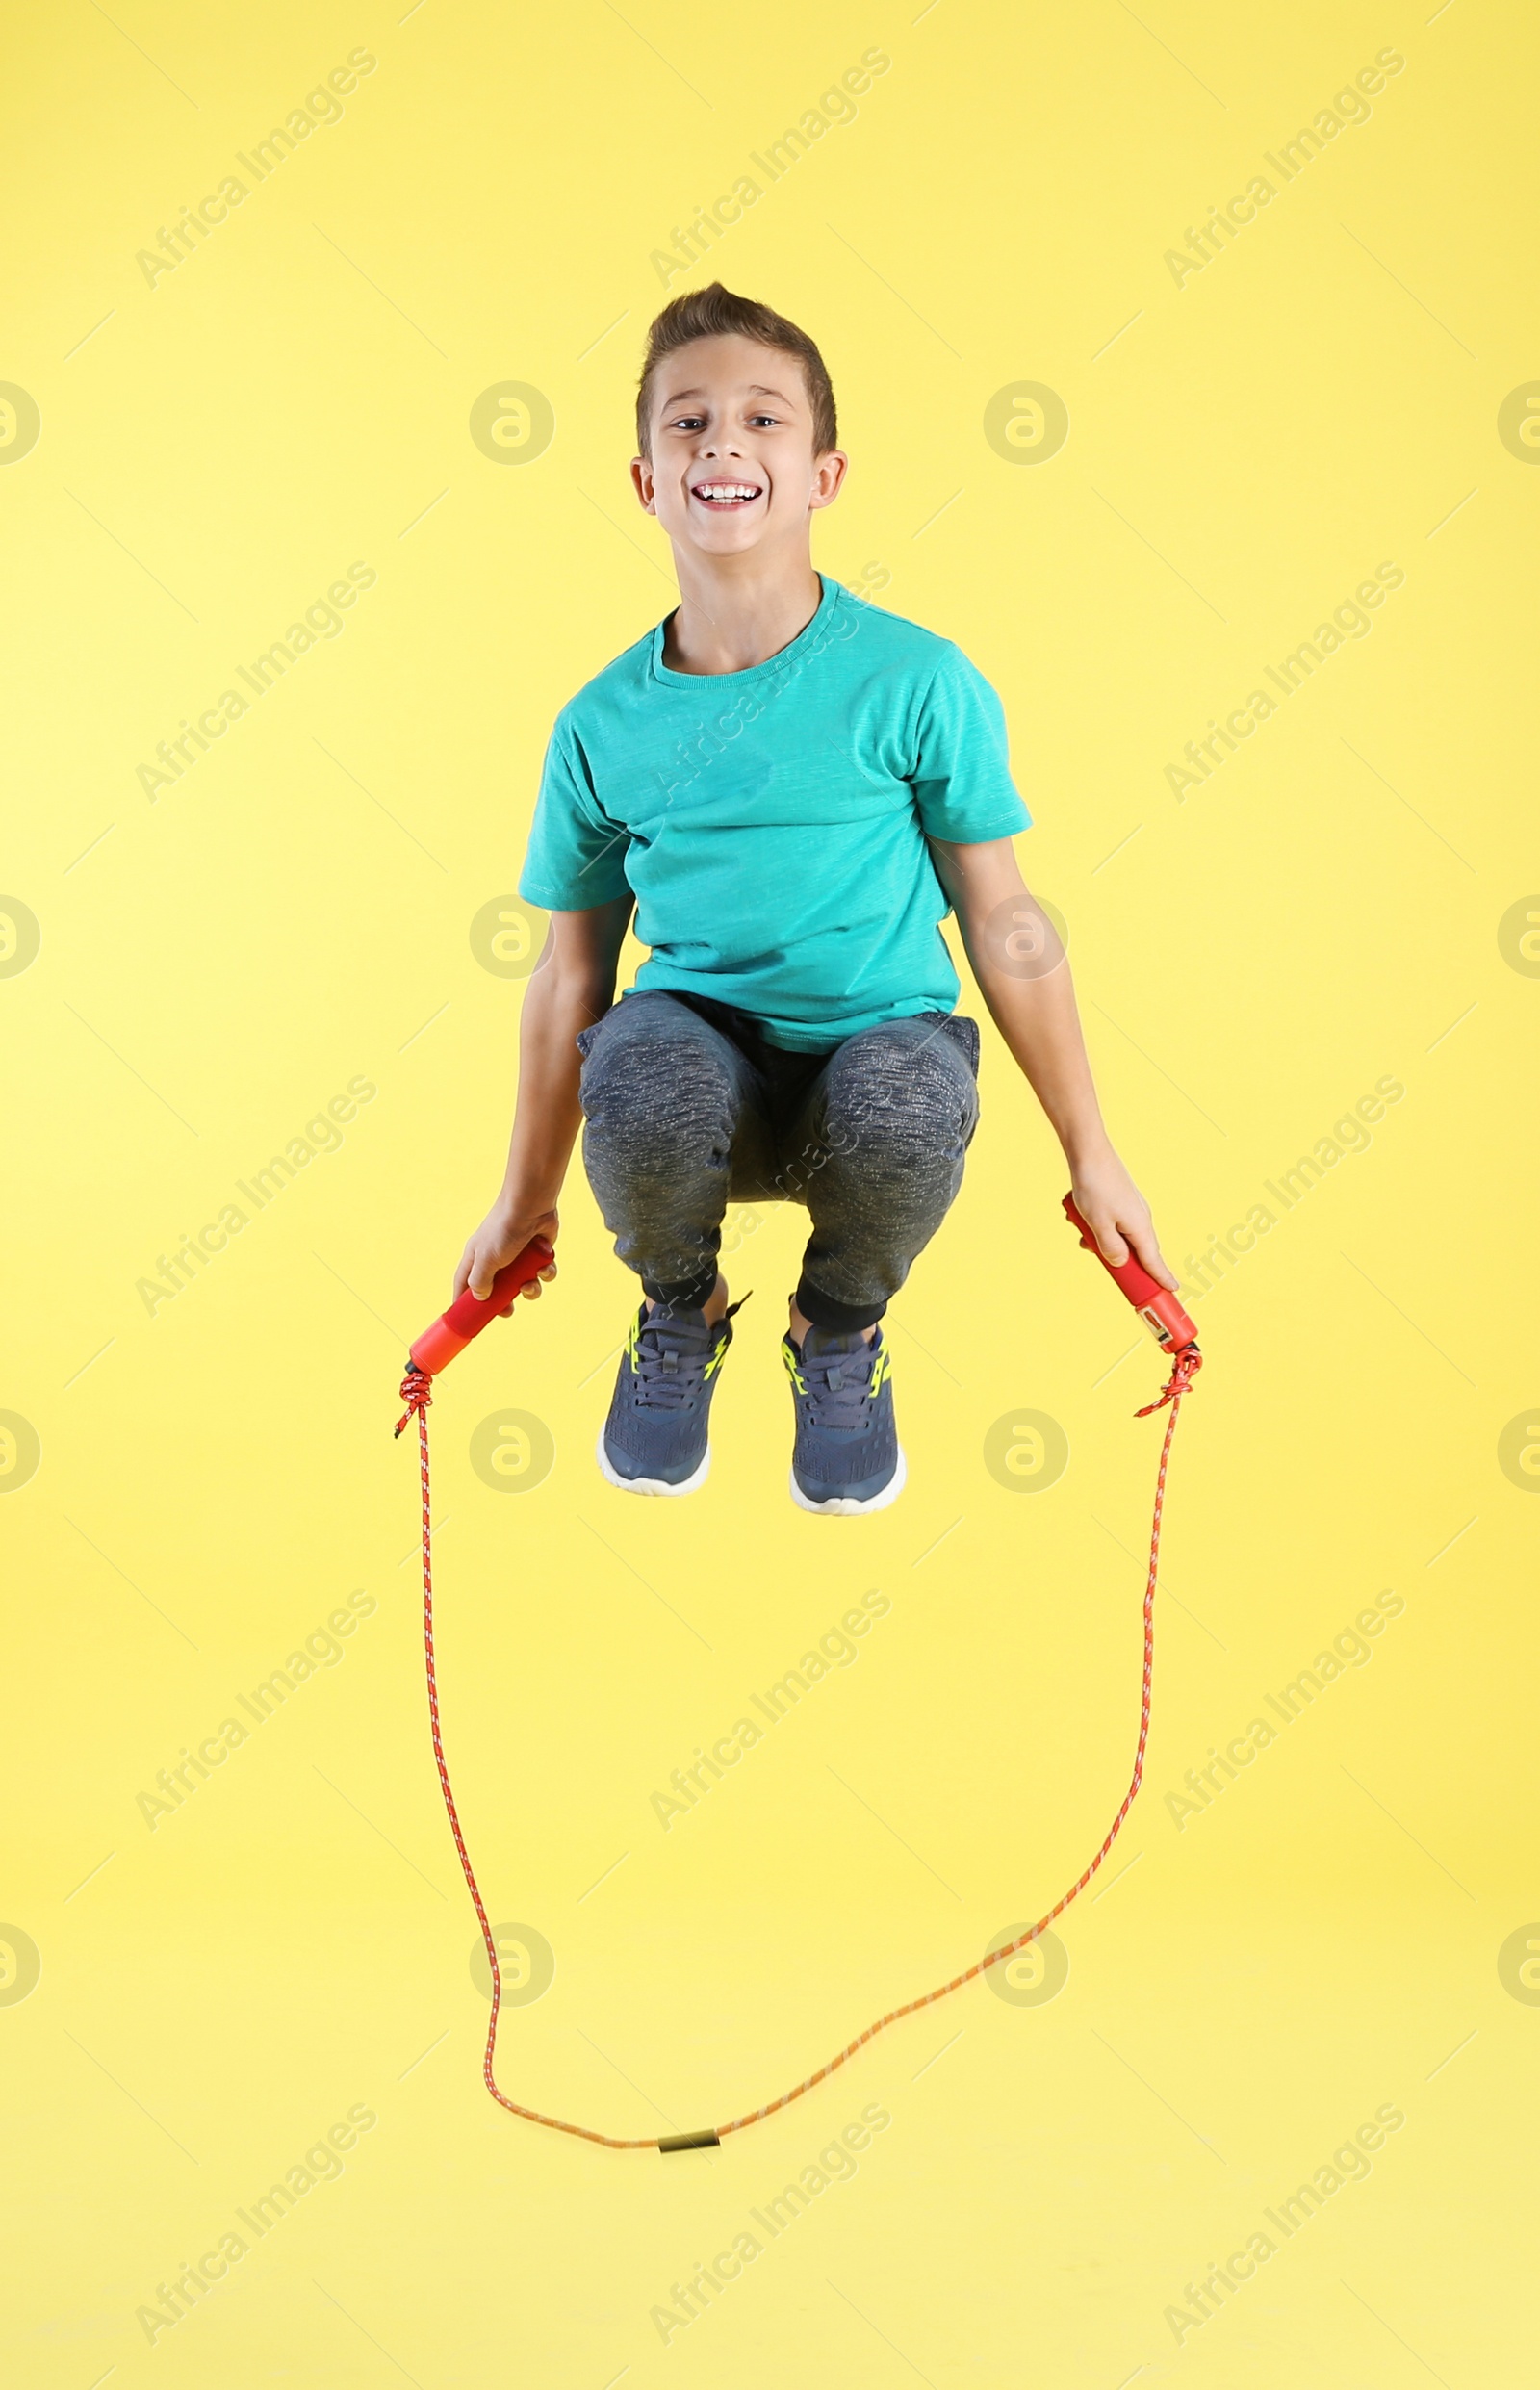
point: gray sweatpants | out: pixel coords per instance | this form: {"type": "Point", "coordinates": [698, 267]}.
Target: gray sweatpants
{"type": "Point", "coordinates": [687, 1109]}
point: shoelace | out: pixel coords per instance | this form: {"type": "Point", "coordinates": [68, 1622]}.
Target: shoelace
{"type": "Point", "coordinates": [670, 1364]}
{"type": "Point", "coordinates": [843, 1396]}
{"type": "Point", "coordinates": [670, 1374]}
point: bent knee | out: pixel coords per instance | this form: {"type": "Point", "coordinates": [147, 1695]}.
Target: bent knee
{"type": "Point", "coordinates": [666, 1088]}
{"type": "Point", "coordinates": [890, 1089]}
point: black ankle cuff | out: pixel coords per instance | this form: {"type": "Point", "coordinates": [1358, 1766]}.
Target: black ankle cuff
{"type": "Point", "coordinates": [689, 1296]}
{"type": "Point", "coordinates": [838, 1319]}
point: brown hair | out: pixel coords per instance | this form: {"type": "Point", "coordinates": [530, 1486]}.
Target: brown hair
{"type": "Point", "coordinates": [699, 314]}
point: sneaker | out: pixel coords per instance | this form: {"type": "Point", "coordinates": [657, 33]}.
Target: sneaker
{"type": "Point", "coordinates": [847, 1458]}
{"type": "Point", "coordinates": [655, 1439]}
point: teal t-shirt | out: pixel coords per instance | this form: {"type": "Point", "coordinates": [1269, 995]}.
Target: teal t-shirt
{"type": "Point", "coordinates": [772, 823]}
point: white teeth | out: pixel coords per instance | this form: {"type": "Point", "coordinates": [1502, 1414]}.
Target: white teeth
{"type": "Point", "coordinates": [719, 490]}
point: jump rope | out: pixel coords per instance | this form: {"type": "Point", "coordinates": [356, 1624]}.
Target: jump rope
{"type": "Point", "coordinates": [466, 1317]}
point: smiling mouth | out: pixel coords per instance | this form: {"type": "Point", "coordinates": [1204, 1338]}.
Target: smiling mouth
{"type": "Point", "coordinates": [721, 497]}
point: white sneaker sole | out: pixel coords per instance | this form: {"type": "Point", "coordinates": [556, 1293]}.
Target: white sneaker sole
{"type": "Point", "coordinates": [842, 1506]}
{"type": "Point", "coordinates": [648, 1485]}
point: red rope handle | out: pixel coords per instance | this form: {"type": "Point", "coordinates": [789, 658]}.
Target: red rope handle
{"type": "Point", "coordinates": [416, 1393]}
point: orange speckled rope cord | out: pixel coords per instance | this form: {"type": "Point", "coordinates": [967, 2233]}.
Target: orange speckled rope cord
{"type": "Point", "coordinates": [417, 1395]}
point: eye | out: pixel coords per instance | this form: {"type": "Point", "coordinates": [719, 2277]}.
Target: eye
{"type": "Point", "coordinates": [686, 422]}
{"type": "Point", "coordinates": [764, 419]}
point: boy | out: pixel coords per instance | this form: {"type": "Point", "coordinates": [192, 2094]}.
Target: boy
{"type": "Point", "coordinates": [792, 788]}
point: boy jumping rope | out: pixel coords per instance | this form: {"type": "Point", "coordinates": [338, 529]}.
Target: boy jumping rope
{"type": "Point", "coordinates": [791, 788]}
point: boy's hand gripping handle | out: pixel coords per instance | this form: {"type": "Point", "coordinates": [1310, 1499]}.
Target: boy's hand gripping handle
{"type": "Point", "coordinates": [1161, 1311]}
{"type": "Point", "coordinates": [468, 1315]}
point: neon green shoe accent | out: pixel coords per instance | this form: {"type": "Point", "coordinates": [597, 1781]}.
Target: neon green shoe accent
{"type": "Point", "coordinates": [793, 1372]}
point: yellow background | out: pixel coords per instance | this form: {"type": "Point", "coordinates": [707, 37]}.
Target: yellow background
{"type": "Point", "coordinates": [1244, 449]}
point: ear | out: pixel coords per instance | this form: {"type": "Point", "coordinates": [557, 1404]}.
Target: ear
{"type": "Point", "coordinates": [829, 474]}
{"type": "Point", "coordinates": [642, 482]}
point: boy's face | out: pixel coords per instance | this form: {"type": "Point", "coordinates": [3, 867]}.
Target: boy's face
{"type": "Point", "coordinates": [732, 468]}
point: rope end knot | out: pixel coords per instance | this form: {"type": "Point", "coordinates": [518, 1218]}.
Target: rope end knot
{"type": "Point", "coordinates": [416, 1393]}
{"type": "Point", "coordinates": [1185, 1363]}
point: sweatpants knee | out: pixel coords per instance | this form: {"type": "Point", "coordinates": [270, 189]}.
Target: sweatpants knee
{"type": "Point", "coordinates": [663, 1097]}
{"type": "Point", "coordinates": [888, 1093]}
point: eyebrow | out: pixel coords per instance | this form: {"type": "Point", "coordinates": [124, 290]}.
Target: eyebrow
{"type": "Point", "coordinates": [756, 390]}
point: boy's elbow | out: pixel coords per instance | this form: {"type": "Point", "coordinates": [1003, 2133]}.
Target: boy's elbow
{"type": "Point", "coordinates": [575, 982]}
{"type": "Point", "coordinates": [1014, 938]}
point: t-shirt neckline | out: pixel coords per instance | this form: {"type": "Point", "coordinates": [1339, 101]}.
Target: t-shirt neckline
{"type": "Point", "coordinates": [671, 679]}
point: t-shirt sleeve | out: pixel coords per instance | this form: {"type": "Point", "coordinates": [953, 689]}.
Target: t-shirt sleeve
{"type": "Point", "coordinates": [576, 856]}
{"type": "Point", "coordinates": [961, 777]}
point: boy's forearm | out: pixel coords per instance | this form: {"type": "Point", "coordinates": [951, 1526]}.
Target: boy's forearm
{"type": "Point", "coordinates": [1024, 978]}
{"type": "Point", "coordinates": [1040, 1023]}
{"type": "Point", "coordinates": [1023, 974]}
{"type": "Point", "coordinates": [548, 1115]}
